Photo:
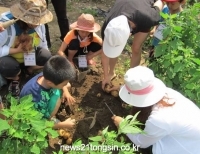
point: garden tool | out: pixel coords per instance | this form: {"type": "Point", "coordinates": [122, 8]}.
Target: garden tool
{"type": "Point", "coordinates": [93, 121]}
{"type": "Point", "coordinates": [109, 109]}
{"type": "Point", "coordinates": [6, 24]}
{"type": "Point", "coordinates": [80, 75]}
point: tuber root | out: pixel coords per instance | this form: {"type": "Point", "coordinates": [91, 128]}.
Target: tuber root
{"type": "Point", "coordinates": [61, 132]}
{"type": "Point", "coordinates": [69, 141]}
{"type": "Point", "coordinates": [115, 93]}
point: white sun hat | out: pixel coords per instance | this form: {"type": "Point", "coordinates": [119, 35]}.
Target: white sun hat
{"type": "Point", "coordinates": [116, 35]}
{"type": "Point", "coordinates": [141, 87]}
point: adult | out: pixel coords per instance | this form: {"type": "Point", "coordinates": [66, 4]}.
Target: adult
{"type": "Point", "coordinates": [125, 17]}
{"type": "Point", "coordinates": [172, 123]}
{"type": "Point", "coordinates": [27, 35]}
{"type": "Point", "coordinates": [60, 7]}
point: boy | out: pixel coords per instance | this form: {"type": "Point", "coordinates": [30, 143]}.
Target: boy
{"type": "Point", "coordinates": [46, 88]}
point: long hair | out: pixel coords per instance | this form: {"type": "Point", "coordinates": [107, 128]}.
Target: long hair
{"type": "Point", "coordinates": [24, 26]}
{"type": "Point", "coordinates": [146, 111]}
{"type": "Point", "coordinates": [90, 36]}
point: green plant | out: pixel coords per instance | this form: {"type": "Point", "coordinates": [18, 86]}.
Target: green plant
{"type": "Point", "coordinates": [109, 141]}
{"type": "Point", "coordinates": [123, 64]}
{"type": "Point", "coordinates": [89, 11]}
{"type": "Point", "coordinates": [177, 56]}
{"type": "Point", "coordinates": [24, 130]}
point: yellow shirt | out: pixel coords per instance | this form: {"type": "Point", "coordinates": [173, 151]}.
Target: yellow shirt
{"type": "Point", "coordinates": [20, 56]}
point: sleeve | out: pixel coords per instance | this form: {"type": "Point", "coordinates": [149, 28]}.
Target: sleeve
{"type": "Point", "coordinates": [70, 35]}
{"type": "Point", "coordinates": [152, 134]}
{"type": "Point", "coordinates": [43, 42]}
{"type": "Point", "coordinates": [4, 49]}
{"type": "Point", "coordinates": [54, 99]}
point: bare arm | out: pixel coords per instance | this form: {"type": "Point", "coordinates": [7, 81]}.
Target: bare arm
{"type": "Point", "coordinates": [62, 49]}
{"type": "Point", "coordinates": [68, 123]}
{"type": "Point", "coordinates": [1, 28]}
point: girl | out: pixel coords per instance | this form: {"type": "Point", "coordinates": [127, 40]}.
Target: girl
{"type": "Point", "coordinates": [81, 41]}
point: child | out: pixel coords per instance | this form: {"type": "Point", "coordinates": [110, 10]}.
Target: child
{"type": "Point", "coordinates": [172, 7]}
{"type": "Point", "coordinates": [81, 41]}
{"type": "Point", "coordinates": [46, 88]}
{"type": "Point", "coordinates": [27, 35]}
{"type": "Point", "coordinates": [172, 122]}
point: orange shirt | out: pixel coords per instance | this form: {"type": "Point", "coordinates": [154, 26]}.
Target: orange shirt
{"type": "Point", "coordinates": [70, 36]}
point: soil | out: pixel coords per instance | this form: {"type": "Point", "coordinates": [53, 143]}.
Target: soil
{"type": "Point", "coordinates": [90, 98]}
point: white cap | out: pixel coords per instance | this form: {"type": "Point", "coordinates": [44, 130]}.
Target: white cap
{"type": "Point", "coordinates": [116, 35]}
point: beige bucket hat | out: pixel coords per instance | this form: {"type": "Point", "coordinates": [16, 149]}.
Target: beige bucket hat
{"type": "Point", "coordinates": [32, 11]}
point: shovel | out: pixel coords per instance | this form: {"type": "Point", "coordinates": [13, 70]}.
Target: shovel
{"type": "Point", "coordinates": [93, 120]}
{"type": "Point", "coordinates": [80, 75]}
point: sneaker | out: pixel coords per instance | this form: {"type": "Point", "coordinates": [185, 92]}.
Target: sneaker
{"type": "Point", "coordinates": [14, 88]}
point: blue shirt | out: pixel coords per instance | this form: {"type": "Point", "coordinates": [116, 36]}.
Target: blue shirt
{"type": "Point", "coordinates": [45, 99]}
{"type": "Point", "coordinates": [155, 40]}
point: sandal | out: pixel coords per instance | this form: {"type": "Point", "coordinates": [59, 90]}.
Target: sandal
{"type": "Point", "coordinates": [113, 77]}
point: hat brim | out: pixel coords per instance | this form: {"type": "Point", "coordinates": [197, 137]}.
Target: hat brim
{"type": "Point", "coordinates": [96, 27]}
{"type": "Point", "coordinates": [30, 19]}
{"type": "Point", "coordinates": [113, 52]}
{"type": "Point", "coordinates": [144, 100]}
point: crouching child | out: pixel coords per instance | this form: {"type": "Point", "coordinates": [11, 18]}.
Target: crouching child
{"type": "Point", "coordinates": [49, 87]}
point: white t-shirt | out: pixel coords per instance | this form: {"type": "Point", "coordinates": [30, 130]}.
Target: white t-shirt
{"type": "Point", "coordinates": [172, 130]}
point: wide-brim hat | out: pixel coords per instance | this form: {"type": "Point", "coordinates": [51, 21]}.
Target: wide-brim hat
{"type": "Point", "coordinates": [32, 12]}
{"type": "Point", "coordinates": [116, 35]}
{"type": "Point", "coordinates": [86, 22]}
{"type": "Point", "coordinates": [141, 87]}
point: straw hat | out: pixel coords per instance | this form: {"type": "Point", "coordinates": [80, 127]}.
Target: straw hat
{"type": "Point", "coordinates": [32, 11]}
{"type": "Point", "coordinates": [141, 87]}
{"type": "Point", "coordinates": [85, 22]}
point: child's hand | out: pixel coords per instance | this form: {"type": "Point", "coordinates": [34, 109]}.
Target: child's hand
{"type": "Point", "coordinates": [117, 120]}
{"type": "Point", "coordinates": [69, 123]}
{"type": "Point", "coordinates": [68, 97]}
{"type": "Point", "coordinates": [151, 33]}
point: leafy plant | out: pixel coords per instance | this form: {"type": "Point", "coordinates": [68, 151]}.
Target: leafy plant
{"type": "Point", "coordinates": [177, 56]}
{"type": "Point", "coordinates": [109, 141]}
{"type": "Point", "coordinates": [24, 130]}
